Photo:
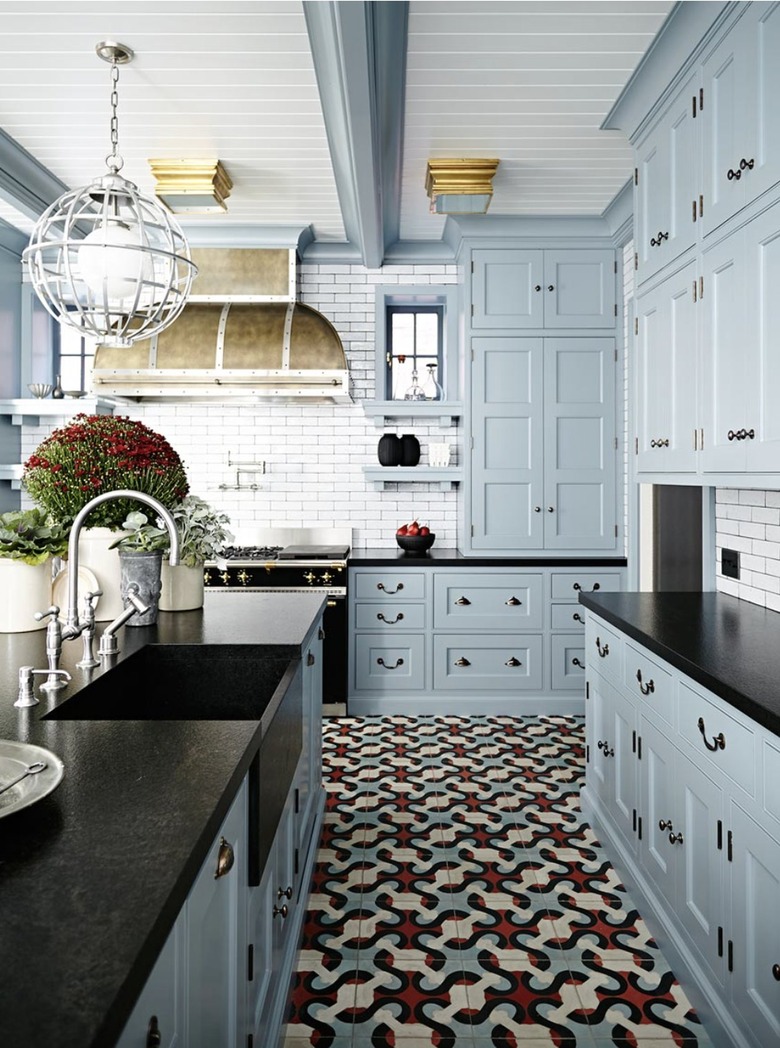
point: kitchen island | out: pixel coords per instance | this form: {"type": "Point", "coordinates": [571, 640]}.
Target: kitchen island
{"type": "Point", "coordinates": [93, 876]}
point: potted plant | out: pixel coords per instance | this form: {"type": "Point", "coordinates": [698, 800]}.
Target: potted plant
{"type": "Point", "coordinates": [140, 562]}
{"type": "Point", "coordinates": [29, 539]}
{"type": "Point", "coordinates": [203, 536]}
{"type": "Point", "coordinates": [92, 454]}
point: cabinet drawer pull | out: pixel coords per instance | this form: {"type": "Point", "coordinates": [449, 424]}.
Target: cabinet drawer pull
{"type": "Point", "coordinates": [225, 858]}
{"type": "Point", "coordinates": [551, 509]}
{"type": "Point", "coordinates": [731, 174]}
{"type": "Point", "coordinates": [658, 239]}
{"type": "Point", "coordinates": [513, 602]}
{"type": "Point", "coordinates": [513, 662]}
{"type": "Point", "coordinates": [398, 588]}
{"type": "Point", "coordinates": [578, 618]}
{"type": "Point", "coordinates": [462, 602]}
{"type": "Point", "coordinates": [596, 586]}
{"type": "Point", "coordinates": [382, 662]}
{"type": "Point", "coordinates": [675, 838]}
{"type": "Point", "coordinates": [776, 971]}
{"type": "Point", "coordinates": [321, 631]}
{"type": "Point", "coordinates": [718, 741]}
{"type": "Point", "coordinates": [661, 442]}
{"type": "Point", "coordinates": [746, 164]}
{"type": "Point", "coordinates": [281, 911]}
{"type": "Point", "coordinates": [284, 893]}
{"type": "Point", "coordinates": [537, 509]}
{"type": "Point", "coordinates": [537, 287]}
{"type": "Point", "coordinates": [462, 661]}
{"type": "Point", "coordinates": [390, 622]}
{"type": "Point", "coordinates": [646, 689]}
{"type": "Point", "coordinates": [665, 824]}
{"type": "Point", "coordinates": [603, 652]}
{"type": "Point", "coordinates": [551, 287]}
{"type": "Point", "coordinates": [153, 1035]}
{"type": "Point", "coordinates": [310, 659]}
{"type": "Point", "coordinates": [604, 746]}
{"type": "Point", "coordinates": [751, 434]}
{"type": "Point", "coordinates": [576, 662]}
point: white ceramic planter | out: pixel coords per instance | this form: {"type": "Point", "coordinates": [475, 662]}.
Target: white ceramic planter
{"type": "Point", "coordinates": [24, 589]}
{"type": "Point", "coordinates": [94, 553]}
{"type": "Point", "coordinates": [182, 588]}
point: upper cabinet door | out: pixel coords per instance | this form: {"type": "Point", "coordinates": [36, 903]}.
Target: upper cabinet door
{"type": "Point", "coordinates": [741, 119]}
{"type": "Point", "coordinates": [666, 376]}
{"type": "Point", "coordinates": [666, 197]}
{"type": "Point", "coordinates": [580, 289]}
{"type": "Point", "coordinates": [506, 289]}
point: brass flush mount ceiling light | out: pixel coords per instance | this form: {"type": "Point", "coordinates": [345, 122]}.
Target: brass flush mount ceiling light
{"type": "Point", "coordinates": [191, 187]}
{"type": "Point", "coordinates": [105, 259]}
{"type": "Point", "coordinates": [460, 186]}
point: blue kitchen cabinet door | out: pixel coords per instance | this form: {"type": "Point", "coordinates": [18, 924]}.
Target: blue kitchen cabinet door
{"type": "Point", "coordinates": [506, 289]}
{"type": "Point", "coordinates": [667, 185]}
{"type": "Point", "coordinates": [309, 779]}
{"type": "Point", "coordinates": [567, 653]}
{"type": "Point", "coordinates": [579, 507]}
{"type": "Point", "coordinates": [580, 289]}
{"type": "Point", "coordinates": [621, 732]}
{"type": "Point", "coordinates": [507, 434]}
{"type": "Point", "coordinates": [666, 376]}
{"type": "Point", "coordinates": [728, 358]}
{"type": "Point", "coordinates": [740, 119]}
{"type": "Point", "coordinates": [657, 809]}
{"type": "Point", "coordinates": [755, 927]}
{"type": "Point", "coordinates": [762, 341]}
{"type": "Point", "coordinates": [160, 1008]}
{"type": "Point", "coordinates": [216, 939]}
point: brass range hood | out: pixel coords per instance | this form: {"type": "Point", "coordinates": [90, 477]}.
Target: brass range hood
{"type": "Point", "coordinates": [242, 336]}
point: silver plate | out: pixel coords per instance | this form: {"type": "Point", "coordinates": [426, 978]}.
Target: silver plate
{"type": "Point", "coordinates": [14, 758]}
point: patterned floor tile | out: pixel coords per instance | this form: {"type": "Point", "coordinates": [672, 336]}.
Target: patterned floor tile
{"type": "Point", "coordinates": [461, 901]}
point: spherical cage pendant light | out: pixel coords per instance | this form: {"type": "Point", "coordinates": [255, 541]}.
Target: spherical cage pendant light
{"type": "Point", "coordinates": [107, 260]}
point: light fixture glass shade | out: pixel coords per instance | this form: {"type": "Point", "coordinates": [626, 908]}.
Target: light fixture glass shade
{"type": "Point", "coordinates": [110, 262]}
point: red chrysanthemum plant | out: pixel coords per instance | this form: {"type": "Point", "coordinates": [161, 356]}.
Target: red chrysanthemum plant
{"type": "Point", "coordinates": [93, 454]}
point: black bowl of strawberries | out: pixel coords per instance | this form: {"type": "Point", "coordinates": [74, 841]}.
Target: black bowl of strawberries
{"type": "Point", "coordinates": [415, 539]}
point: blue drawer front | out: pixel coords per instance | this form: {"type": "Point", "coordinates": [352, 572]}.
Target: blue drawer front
{"type": "Point", "coordinates": [385, 663]}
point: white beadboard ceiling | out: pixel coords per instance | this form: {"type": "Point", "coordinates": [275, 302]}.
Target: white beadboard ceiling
{"type": "Point", "coordinates": [528, 82]}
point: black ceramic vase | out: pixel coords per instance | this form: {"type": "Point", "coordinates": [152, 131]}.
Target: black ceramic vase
{"type": "Point", "coordinates": [389, 450]}
{"type": "Point", "coordinates": [410, 450]}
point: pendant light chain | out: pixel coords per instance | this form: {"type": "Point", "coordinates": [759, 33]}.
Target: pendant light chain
{"type": "Point", "coordinates": [115, 161]}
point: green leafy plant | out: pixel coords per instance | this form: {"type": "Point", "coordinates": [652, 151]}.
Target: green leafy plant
{"type": "Point", "coordinates": [202, 531]}
{"type": "Point", "coordinates": [93, 454]}
{"type": "Point", "coordinates": [201, 528]}
{"type": "Point", "coordinates": [142, 537]}
{"type": "Point", "coordinates": [31, 536]}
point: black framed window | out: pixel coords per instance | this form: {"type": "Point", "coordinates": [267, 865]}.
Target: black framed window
{"type": "Point", "coordinates": [414, 344]}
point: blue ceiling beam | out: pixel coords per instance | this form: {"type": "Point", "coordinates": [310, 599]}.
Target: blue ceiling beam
{"type": "Point", "coordinates": [359, 52]}
{"type": "Point", "coordinates": [24, 182]}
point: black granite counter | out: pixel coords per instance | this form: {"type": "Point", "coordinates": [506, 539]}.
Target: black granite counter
{"type": "Point", "coordinates": [448, 556]}
{"type": "Point", "coordinates": [727, 645]}
{"type": "Point", "coordinates": [93, 876]}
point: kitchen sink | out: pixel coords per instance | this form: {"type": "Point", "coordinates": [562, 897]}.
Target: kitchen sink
{"type": "Point", "coordinates": [180, 682]}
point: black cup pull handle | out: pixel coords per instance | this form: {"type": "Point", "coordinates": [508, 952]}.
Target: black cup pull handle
{"type": "Point", "coordinates": [462, 602]}
{"type": "Point", "coordinates": [646, 689]}
{"type": "Point", "coordinates": [153, 1035]}
{"type": "Point", "coordinates": [718, 741]}
{"type": "Point", "coordinates": [462, 661]}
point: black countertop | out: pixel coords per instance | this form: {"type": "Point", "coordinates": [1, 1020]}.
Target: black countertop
{"type": "Point", "coordinates": [727, 645]}
{"type": "Point", "coordinates": [93, 876]}
{"type": "Point", "coordinates": [444, 556]}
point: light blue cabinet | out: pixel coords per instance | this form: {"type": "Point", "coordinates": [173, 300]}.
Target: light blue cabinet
{"type": "Point", "coordinates": [686, 818]}
{"type": "Point", "coordinates": [667, 186]}
{"type": "Point", "coordinates": [741, 143]}
{"type": "Point", "coordinates": [470, 639]}
{"type": "Point", "coordinates": [544, 454]}
{"type": "Point", "coordinates": [160, 1010]}
{"type": "Point", "coordinates": [666, 374]}
{"type": "Point", "coordinates": [518, 288]}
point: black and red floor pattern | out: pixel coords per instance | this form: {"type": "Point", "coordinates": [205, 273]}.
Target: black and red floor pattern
{"type": "Point", "coordinates": [460, 900]}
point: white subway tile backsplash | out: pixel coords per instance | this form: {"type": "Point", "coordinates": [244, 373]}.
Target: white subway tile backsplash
{"type": "Point", "coordinates": [745, 521]}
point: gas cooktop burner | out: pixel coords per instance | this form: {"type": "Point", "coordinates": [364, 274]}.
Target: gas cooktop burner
{"type": "Point", "coordinates": [251, 552]}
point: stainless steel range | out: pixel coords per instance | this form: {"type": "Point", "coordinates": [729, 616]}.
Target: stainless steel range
{"type": "Point", "coordinates": [296, 560]}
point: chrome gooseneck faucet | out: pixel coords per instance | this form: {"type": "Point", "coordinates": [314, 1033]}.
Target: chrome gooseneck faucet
{"type": "Point", "coordinates": [72, 627]}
